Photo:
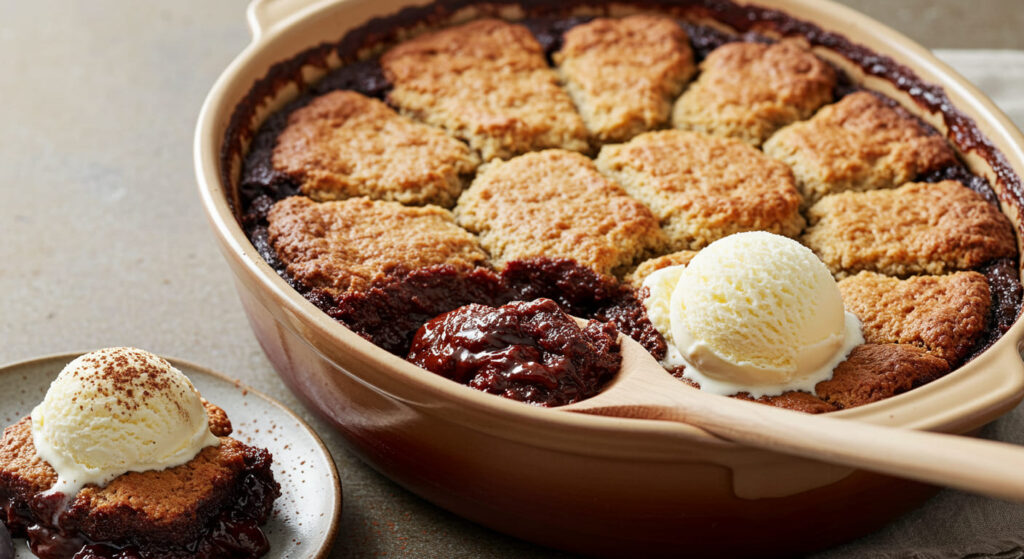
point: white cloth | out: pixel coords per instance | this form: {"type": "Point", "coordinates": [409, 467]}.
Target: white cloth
{"type": "Point", "coordinates": [955, 524]}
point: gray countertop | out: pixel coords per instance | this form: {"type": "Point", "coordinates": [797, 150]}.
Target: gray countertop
{"type": "Point", "coordinates": [105, 242]}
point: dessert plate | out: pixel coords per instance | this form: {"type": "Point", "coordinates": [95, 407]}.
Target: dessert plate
{"type": "Point", "coordinates": [304, 518]}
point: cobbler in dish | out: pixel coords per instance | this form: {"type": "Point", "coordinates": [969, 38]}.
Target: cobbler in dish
{"type": "Point", "coordinates": [499, 164]}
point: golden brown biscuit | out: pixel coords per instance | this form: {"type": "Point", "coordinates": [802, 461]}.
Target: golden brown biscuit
{"type": "Point", "coordinates": [750, 90]}
{"type": "Point", "coordinates": [860, 143]}
{"type": "Point", "coordinates": [703, 188]}
{"type": "Point", "coordinates": [556, 204]}
{"type": "Point", "coordinates": [344, 144]}
{"type": "Point", "coordinates": [941, 314]}
{"type": "Point", "coordinates": [918, 228]}
{"type": "Point", "coordinates": [647, 267]}
{"type": "Point", "coordinates": [350, 244]}
{"type": "Point", "coordinates": [623, 74]}
{"type": "Point", "coordinates": [486, 82]}
{"type": "Point", "coordinates": [875, 372]}
{"type": "Point", "coordinates": [793, 400]}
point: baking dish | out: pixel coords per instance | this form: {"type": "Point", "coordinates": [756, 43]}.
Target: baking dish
{"type": "Point", "coordinates": [590, 484]}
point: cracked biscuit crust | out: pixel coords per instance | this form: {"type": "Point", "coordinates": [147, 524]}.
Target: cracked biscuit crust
{"type": "Point", "coordinates": [750, 90]}
{"type": "Point", "coordinates": [943, 315]}
{"type": "Point", "coordinates": [348, 245]}
{"type": "Point", "coordinates": [874, 372]}
{"type": "Point", "coordinates": [860, 143]}
{"type": "Point", "coordinates": [918, 228]}
{"type": "Point", "coordinates": [344, 144]}
{"type": "Point", "coordinates": [703, 188]}
{"type": "Point", "coordinates": [794, 400]}
{"type": "Point", "coordinates": [623, 74]}
{"type": "Point", "coordinates": [488, 83]}
{"type": "Point", "coordinates": [556, 204]}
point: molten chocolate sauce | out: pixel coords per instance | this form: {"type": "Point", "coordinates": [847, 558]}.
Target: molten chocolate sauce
{"type": "Point", "coordinates": [1005, 288]}
{"type": "Point", "coordinates": [527, 351]}
{"type": "Point", "coordinates": [549, 31]}
{"type": "Point", "coordinates": [389, 313]}
{"type": "Point", "coordinates": [586, 294]}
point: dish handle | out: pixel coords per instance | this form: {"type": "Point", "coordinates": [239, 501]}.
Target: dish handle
{"type": "Point", "coordinates": [264, 15]}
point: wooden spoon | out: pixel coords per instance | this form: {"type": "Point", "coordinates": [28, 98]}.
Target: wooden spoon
{"type": "Point", "coordinates": [643, 389]}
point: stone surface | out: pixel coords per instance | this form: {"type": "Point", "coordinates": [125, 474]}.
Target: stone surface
{"type": "Point", "coordinates": [105, 242]}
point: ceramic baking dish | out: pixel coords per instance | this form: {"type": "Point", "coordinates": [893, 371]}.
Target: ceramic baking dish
{"type": "Point", "coordinates": [591, 484]}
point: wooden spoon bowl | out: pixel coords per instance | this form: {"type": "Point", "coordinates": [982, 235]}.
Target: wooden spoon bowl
{"type": "Point", "coordinates": [643, 389]}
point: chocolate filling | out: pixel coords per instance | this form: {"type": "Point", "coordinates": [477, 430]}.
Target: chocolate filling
{"type": "Point", "coordinates": [527, 351]}
{"type": "Point", "coordinates": [389, 313]}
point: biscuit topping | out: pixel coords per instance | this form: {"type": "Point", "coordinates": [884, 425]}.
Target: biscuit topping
{"type": "Point", "coordinates": [860, 143]}
{"type": "Point", "coordinates": [556, 204]}
{"type": "Point", "coordinates": [943, 315]}
{"type": "Point", "coordinates": [930, 228]}
{"type": "Point", "coordinates": [750, 90]}
{"type": "Point", "coordinates": [703, 188]}
{"type": "Point", "coordinates": [344, 144]}
{"type": "Point", "coordinates": [623, 74]}
{"type": "Point", "coordinates": [485, 82]}
{"type": "Point", "coordinates": [349, 245]}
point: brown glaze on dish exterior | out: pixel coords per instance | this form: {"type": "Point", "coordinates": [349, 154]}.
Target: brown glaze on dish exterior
{"type": "Point", "coordinates": [655, 484]}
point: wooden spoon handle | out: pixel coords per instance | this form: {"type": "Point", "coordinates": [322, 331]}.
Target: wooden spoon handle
{"type": "Point", "coordinates": [991, 468]}
{"type": "Point", "coordinates": [644, 390]}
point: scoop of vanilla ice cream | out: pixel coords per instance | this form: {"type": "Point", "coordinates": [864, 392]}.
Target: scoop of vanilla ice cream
{"type": "Point", "coordinates": [660, 285]}
{"type": "Point", "coordinates": [114, 411]}
{"type": "Point", "coordinates": [759, 313]}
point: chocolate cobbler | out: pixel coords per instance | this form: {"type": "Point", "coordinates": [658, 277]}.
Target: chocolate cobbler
{"type": "Point", "coordinates": [211, 507]}
{"type": "Point", "coordinates": [457, 196]}
{"type": "Point", "coordinates": [124, 460]}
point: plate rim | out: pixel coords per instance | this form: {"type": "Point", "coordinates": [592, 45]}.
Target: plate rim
{"type": "Point", "coordinates": [328, 542]}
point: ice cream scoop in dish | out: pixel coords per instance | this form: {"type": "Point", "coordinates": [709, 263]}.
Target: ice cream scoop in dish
{"type": "Point", "coordinates": [752, 312]}
{"type": "Point", "coordinates": [761, 314]}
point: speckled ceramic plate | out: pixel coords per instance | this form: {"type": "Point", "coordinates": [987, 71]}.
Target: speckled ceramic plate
{"type": "Point", "coordinates": [306, 515]}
